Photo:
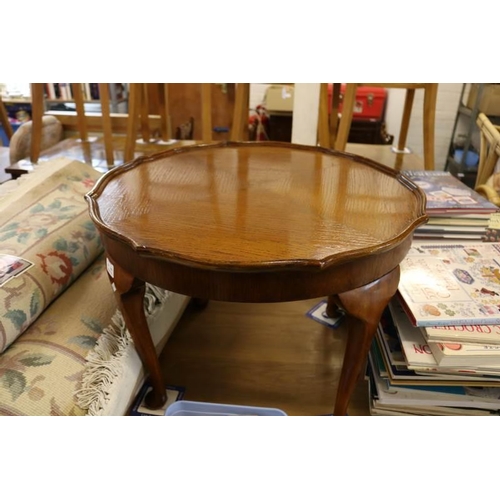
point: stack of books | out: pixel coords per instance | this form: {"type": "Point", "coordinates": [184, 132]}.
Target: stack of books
{"type": "Point", "coordinates": [455, 211]}
{"type": "Point", "coordinates": [437, 348]}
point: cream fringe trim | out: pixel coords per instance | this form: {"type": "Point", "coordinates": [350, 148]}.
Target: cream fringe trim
{"type": "Point", "coordinates": [105, 362]}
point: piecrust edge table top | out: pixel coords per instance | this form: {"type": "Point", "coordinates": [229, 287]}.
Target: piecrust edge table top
{"type": "Point", "coordinates": [416, 218]}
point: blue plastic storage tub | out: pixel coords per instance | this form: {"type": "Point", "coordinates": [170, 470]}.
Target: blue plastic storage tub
{"type": "Point", "coordinates": [194, 409]}
{"type": "Point", "coordinates": [471, 158]}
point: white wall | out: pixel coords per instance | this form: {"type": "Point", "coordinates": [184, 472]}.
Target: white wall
{"type": "Point", "coordinates": [446, 109]}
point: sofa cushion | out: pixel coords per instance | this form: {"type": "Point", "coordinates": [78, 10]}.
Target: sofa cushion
{"type": "Point", "coordinates": [20, 142]}
{"type": "Point", "coordinates": [46, 223]}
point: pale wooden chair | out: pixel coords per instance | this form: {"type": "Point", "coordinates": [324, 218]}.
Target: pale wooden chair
{"type": "Point", "coordinates": [38, 109]}
{"type": "Point", "coordinates": [337, 139]}
{"type": "Point", "coordinates": [138, 113]}
{"type": "Point", "coordinates": [487, 180]}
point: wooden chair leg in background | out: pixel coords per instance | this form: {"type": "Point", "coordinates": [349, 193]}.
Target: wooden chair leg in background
{"type": "Point", "coordinates": [106, 123]}
{"type": "Point", "coordinates": [346, 119]}
{"type": "Point", "coordinates": [144, 107]}
{"type": "Point", "coordinates": [323, 117]}
{"type": "Point", "coordinates": [37, 110]}
{"type": "Point", "coordinates": [206, 112]}
{"type": "Point", "coordinates": [80, 110]}
{"type": "Point", "coordinates": [165, 119]}
{"type": "Point", "coordinates": [405, 122]}
{"type": "Point", "coordinates": [334, 114]}
{"type": "Point", "coordinates": [239, 128]}
{"type": "Point", "coordinates": [134, 103]}
{"type": "Point", "coordinates": [430, 98]}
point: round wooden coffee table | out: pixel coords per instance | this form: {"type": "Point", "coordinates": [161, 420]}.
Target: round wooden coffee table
{"type": "Point", "coordinates": [257, 222]}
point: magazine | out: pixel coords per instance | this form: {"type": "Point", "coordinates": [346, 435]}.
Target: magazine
{"type": "Point", "coordinates": [446, 194]}
{"type": "Point", "coordinates": [456, 396]}
{"type": "Point", "coordinates": [443, 285]}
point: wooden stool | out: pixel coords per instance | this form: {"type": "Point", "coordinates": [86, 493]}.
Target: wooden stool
{"type": "Point", "coordinates": [339, 140]}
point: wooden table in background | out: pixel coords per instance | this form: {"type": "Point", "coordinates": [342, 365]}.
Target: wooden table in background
{"type": "Point", "coordinates": [259, 222]}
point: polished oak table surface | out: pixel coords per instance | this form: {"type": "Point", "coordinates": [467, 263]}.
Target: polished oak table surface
{"type": "Point", "coordinates": [257, 222]}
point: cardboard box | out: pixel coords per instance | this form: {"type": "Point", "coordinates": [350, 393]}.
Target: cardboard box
{"type": "Point", "coordinates": [489, 103]}
{"type": "Point", "coordinates": [279, 98]}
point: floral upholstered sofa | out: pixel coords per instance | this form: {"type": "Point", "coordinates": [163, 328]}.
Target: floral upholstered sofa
{"type": "Point", "coordinates": [64, 348]}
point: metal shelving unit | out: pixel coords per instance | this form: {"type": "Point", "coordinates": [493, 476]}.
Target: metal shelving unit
{"type": "Point", "coordinates": [459, 168]}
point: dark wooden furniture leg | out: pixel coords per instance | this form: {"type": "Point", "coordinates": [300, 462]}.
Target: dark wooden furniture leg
{"type": "Point", "coordinates": [364, 307]}
{"type": "Point", "coordinates": [199, 303]}
{"type": "Point", "coordinates": [129, 292]}
{"type": "Point", "coordinates": [333, 310]}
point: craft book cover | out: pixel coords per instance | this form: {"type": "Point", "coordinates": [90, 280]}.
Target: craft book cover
{"type": "Point", "coordinates": [445, 193]}
{"type": "Point", "coordinates": [443, 285]}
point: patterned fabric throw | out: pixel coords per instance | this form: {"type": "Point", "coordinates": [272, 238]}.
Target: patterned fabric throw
{"type": "Point", "coordinates": [46, 241]}
{"type": "Point", "coordinates": [41, 370]}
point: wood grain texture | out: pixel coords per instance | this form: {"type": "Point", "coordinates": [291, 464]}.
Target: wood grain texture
{"type": "Point", "coordinates": [238, 206]}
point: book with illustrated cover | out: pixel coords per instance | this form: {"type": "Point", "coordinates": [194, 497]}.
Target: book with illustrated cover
{"type": "Point", "coordinates": [466, 355]}
{"type": "Point", "coordinates": [415, 348]}
{"type": "Point", "coordinates": [443, 228]}
{"type": "Point", "coordinates": [447, 194]}
{"type": "Point", "coordinates": [461, 221]}
{"type": "Point", "coordinates": [477, 334]}
{"type": "Point", "coordinates": [430, 375]}
{"type": "Point", "coordinates": [420, 353]}
{"type": "Point", "coordinates": [444, 285]}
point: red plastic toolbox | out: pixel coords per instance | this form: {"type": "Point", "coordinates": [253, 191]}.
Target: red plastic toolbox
{"type": "Point", "coordinates": [370, 102]}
